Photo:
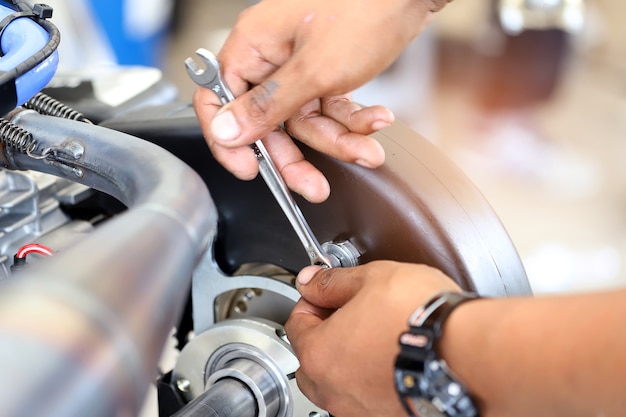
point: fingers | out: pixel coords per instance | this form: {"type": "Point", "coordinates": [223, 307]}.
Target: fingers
{"type": "Point", "coordinates": [308, 387]}
{"type": "Point", "coordinates": [303, 324]}
{"type": "Point", "coordinates": [306, 316]}
{"type": "Point", "coordinates": [338, 127]}
{"type": "Point", "coordinates": [282, 89]}
{"type": "Point", "coordinates": [335, 126]}
{"type": "Point", "coordinates": [299, 174]}
{"type": "Point", "coordinates": [308, 51]}
{"type": "Point", "coordinates": [261, 109]}
{"type": "Point", "coordinates": [390, 283]}
{"type": "Point", "coordinates": [354, 117]}
{"type": "Point", "coordinates": [330, 287]}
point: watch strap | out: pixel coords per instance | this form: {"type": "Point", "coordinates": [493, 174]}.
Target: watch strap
{"type": "Point", "coordinates": [427, 387]}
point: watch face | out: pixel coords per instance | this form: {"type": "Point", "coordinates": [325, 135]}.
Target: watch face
{"type": "Point", "coordinates": [424, 408]}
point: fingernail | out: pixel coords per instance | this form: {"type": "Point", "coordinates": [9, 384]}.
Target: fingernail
{"type": "Point", "coordinates": [374, 157]}
{"type": "Point", "coordinates": [380, 124]}
{"type": "Point", "coordinates": [370, 162]}
{"type": "Point", "coordinates": [305, 276]}
{"type": "Point", "coordinates": [224, 127]}
{"type": "Point", "coordinates": [364, 163]}
{"type": "Point", "coordinates": [315, 191]}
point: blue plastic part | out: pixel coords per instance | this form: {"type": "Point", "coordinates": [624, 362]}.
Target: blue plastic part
{"type": "Point", "coordinates": [21, 39]}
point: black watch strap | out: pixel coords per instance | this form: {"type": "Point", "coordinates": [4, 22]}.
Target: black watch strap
{"type": "Point", "coordinates": [426, 386]}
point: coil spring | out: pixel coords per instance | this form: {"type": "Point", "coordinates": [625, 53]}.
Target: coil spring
{"type": "Point", "coordinates": [44, 104]}
{"type": "Point", "coordinates": [15, 138]}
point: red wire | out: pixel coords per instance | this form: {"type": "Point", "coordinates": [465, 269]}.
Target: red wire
{"type": "Point", "coordinates": [33, 248]}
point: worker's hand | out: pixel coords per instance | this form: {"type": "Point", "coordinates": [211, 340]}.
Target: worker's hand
{"type": "Point", "coordinates": [293, 62]}
{"type": "Point", "coordinates": [345, 332]}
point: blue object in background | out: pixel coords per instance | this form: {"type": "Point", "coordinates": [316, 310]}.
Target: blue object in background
{"type": "Point", "coordinates": [134, 41]}
{"type": "Point", "coordinates": [22, 39]}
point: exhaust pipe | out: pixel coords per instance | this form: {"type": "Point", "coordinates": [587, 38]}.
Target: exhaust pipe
{"type": "Point", "coordinates": [82, 333]}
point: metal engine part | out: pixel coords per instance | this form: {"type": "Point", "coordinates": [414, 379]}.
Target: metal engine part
{"type": "Point", "coordinates": [253, 352]}
{"type": "Point", "coordinates": [82, 332]}
{"type": "Point", "coordinates": [116, 290]}
{"type": "Point", "coordinates": [30, 210]}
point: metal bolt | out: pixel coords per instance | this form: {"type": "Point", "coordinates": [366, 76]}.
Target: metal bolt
{"type": "Point", "coordinates": [75, 149]}
{"type": "Point", "coordinates": [347, 254]}
{"type": "Point", "coordinates": [241, 307]}
{"type": "Point", "coordinates": [282, 334]}
{"type": "Point", "coordinates": [183, 385]}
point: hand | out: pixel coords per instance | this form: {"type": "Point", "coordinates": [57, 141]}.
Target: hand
{"type": "Point", "coordinates": [345, 332]}
{"type": "Point", "coordinates": [302, 58]}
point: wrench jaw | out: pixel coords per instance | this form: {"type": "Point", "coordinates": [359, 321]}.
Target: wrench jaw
{"type": "Point", "coordinates": [194, 71]}
{"type": "Point", "coordinates": [202, 77]}
{"type": "Point", "coordinates": [209, 76]}
{"type": "Point", "coordinates": [210, 61]}
{"type": "Point", "coordinates": [325, 261]}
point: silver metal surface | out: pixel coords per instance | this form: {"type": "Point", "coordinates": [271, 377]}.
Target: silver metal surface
{"type": "Point", "coordinates": [253, 352]}
{"type": "Point", "coordinates": [228, 397]}
{"type": "Point", "coordinates": [255, 302]}
{"type": "Point", "coordinates": [345, 251]}
{"type": "Point", "coordinates": [82, 332]}
{"type": "Point", "coordinates": [210, 77]}
{"type": "Point", "coordinates": [258, 380]}
{"type": "Point", "coordinates": [209, 283]}
{"type": "Point", "coordinates": [30, 211]}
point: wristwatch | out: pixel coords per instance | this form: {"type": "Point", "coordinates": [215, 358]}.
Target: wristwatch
{"type": "Point", "coordinates": [427, 387]}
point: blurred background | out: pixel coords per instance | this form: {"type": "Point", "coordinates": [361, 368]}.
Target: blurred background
{"type": "Point", "coordinates": [528, 97]}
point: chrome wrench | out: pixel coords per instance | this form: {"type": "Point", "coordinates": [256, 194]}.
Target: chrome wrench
{"type": "Point", "coordinates": [210, 77]}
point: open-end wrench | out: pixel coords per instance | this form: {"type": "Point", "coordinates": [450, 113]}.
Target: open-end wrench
{"type": "Point", "coordinates": [210, 77]}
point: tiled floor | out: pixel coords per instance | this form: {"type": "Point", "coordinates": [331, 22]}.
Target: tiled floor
{"type": "Point", "coordinates": [559, 187]}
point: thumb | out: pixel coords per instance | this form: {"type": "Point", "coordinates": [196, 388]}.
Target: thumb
{"type": "Point", "coordinates": [329, 287]}
{"type": "Point", "coordinates": [258, 111]}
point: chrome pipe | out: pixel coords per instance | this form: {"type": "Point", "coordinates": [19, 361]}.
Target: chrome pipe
{"type": "Point", "coordinates": [227, 397]}
{"type": "Point", "coordinates": [81, 333]}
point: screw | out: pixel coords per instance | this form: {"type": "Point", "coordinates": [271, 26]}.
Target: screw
{"type": "Point", "coordinates": [282, 334]}
{"type": "Point", "coordinates": [183, 385]}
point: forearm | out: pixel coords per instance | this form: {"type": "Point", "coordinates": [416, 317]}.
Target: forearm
{"type": "Point", "coordinates": [544, 356]}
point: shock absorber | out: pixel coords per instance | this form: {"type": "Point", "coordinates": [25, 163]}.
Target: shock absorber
{"type": "Point", "coordinates": [44, 104]}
